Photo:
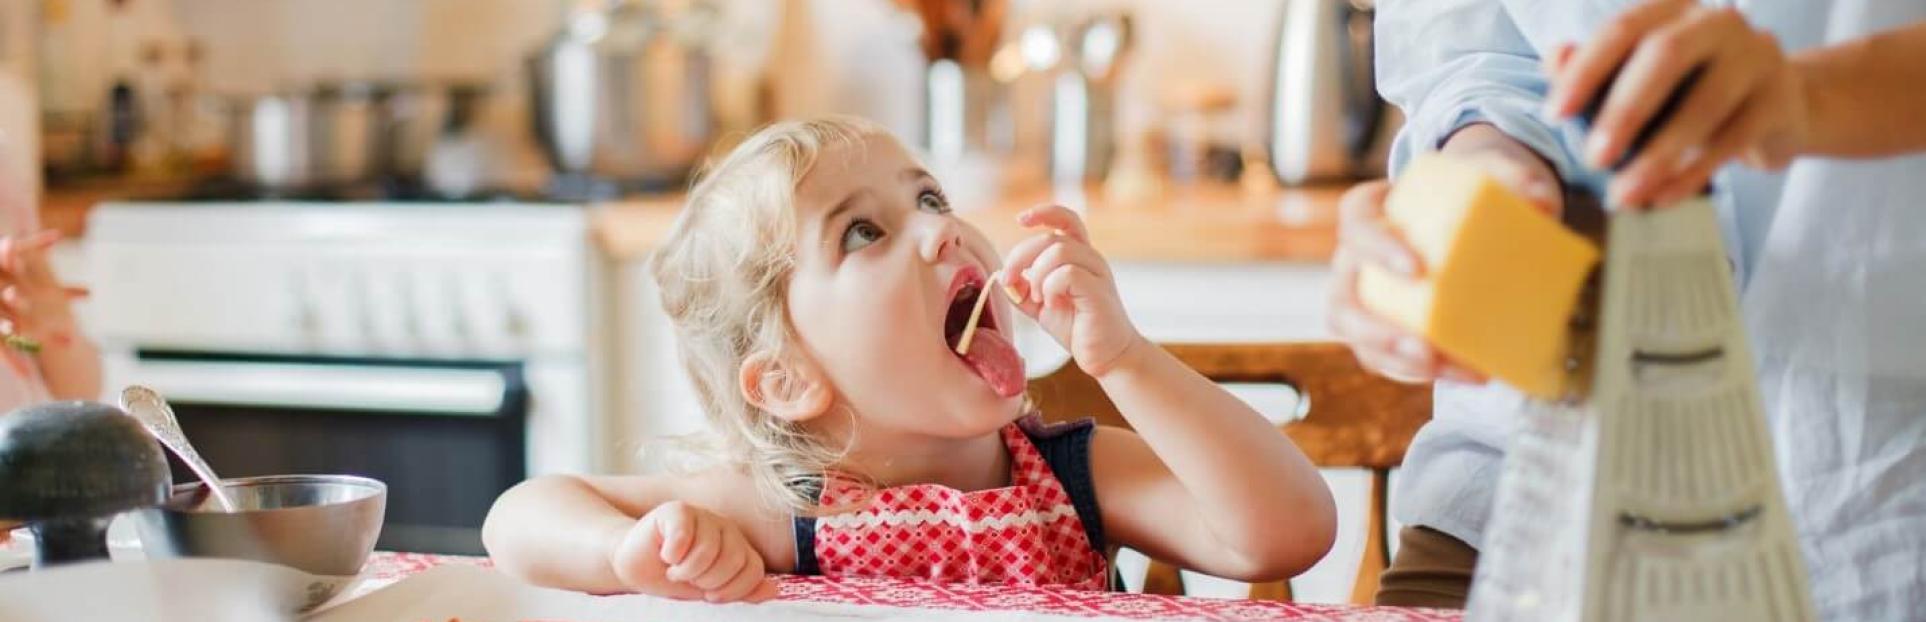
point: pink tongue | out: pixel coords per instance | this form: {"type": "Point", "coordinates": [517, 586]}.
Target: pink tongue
{"type": "Point", "coordinates": [997, 362]}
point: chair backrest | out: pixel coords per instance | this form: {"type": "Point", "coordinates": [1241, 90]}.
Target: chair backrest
{"type": "Point", "coordinates": [1356, 419]}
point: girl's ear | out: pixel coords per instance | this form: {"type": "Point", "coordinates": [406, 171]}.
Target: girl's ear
{"type": "Point", "coordinates": [791, 389]}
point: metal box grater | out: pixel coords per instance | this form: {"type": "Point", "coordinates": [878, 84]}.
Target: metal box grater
{"type": "Point", "coordinates": [1652, 494]}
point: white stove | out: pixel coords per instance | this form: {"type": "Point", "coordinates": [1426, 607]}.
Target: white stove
{"type": "Point", "coordinates": [336, 319]}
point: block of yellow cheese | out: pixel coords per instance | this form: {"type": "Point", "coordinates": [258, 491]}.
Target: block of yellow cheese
{"type": "Point", "coordinates": [1501, 277]}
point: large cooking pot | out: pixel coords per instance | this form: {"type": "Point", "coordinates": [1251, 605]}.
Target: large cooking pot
{"type": "Point", "coordinates": [620, 98]}
{"type": "Point", "coordinates": [345, 134]}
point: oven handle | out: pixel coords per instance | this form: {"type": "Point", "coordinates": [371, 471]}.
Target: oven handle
{"type": "Point", "coordinates": [369, 388]}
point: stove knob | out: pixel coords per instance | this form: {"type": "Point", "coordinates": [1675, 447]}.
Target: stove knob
{"type": "Point", "coordinates": [515, 318]}
{"type": "Point", "coordinates": [517, 324]}
{"type": "Point", "coordinates": [409, 313]}
{"type": "Point", "coordinates": [307, 317]}
{"type": "Point", "coordinates": [451, 304]}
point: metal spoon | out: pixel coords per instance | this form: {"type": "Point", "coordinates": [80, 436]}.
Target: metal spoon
{"type": "Point", "coordinates": [148, 407]}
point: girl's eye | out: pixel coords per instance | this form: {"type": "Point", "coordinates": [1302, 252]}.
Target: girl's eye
{"type": "Point", "coordinates": [860, 234]}
{"type": "Point", "coordinates": [933, 202]}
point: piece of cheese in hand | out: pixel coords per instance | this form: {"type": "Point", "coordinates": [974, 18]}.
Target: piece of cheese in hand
{"type": "Point", "coordinates": [1500, 278]}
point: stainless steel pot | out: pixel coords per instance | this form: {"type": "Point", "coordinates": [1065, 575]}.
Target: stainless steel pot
{"type": "Point", "coordinates": [344, 131]}
{"type": "Point", "coordinates": [345, 134]}
{"type": "Point", "coordinates": [622, 96]}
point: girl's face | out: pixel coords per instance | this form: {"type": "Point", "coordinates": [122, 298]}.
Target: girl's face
{"type": "Point", "coordinates": [886, 277]}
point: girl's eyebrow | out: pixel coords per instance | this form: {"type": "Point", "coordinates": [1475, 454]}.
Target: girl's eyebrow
{"type": "Point", "coordinates": [848, 203]}
{"type": "Point", "coordinates": [915, 174]}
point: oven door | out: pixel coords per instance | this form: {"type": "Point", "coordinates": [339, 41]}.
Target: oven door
{"type": "Point", "coordinates": [446, 436]}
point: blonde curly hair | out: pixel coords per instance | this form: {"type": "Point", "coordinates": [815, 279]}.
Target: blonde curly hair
{"type": "Point", "coordinates": [723, 275]}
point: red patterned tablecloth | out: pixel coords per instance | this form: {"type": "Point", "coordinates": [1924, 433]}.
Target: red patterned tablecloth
{"type": "Point", "coordinates": [386, 568]}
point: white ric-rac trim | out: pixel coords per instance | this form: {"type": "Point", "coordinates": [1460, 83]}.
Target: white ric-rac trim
{"type": "Point", "coordinates": [924, 517]}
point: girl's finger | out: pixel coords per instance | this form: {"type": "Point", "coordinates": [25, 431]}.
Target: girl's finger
{"type": "Point", "coordinates": [740, 585]}
{"type": "Point", "coordinates": [703, 552]}
{"type": "Point", "coordinates": [748, 587]}
{"type": "Point", "coordinates": [1585, 72]}
{"type": "Point", "coordinates": [1067, 285]}
{"type": "Point", "coordinates": [1655, 70]}
{"type": "Point", "coordinates": [675, 524]}
{"type": "Point", "coordinates": [1065, 253]}
{"type": "Point", "coordinates": [76, 291]}
{"type": "Point", "coordinates": [733, 556]}
{"type": "Point", "coordinates": [1062, 219]}
{"type": "Point", "coordinates": [1022, 256]}
{"type": "Point", "coordinates": [40, 240]}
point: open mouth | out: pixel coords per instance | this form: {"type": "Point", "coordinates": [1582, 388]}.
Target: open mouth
{"type": "Point", "coordinates": [990, 354]}
{"type": "Point", "coordinates": [962, 303]}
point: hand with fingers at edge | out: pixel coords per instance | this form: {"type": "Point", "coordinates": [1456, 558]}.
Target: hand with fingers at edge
{"type": "Point", "coordinates": [1749, 102]}
{"type": "Point", "coordinates": [682, 551]}
{"type": "Point", "coordinates": [1364, 237]}
{"type": "Point", "coordinates": [1059, 279]}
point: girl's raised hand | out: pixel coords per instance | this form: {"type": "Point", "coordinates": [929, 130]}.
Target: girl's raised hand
{"type": "Point", "coordinates": [1060, 280]}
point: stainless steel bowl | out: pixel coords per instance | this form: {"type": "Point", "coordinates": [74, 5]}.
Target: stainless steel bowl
{"type": "Point", "coordinates": [319, 524]}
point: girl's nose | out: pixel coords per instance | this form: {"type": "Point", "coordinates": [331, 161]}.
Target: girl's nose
{"type": "Point", "coordinates": [940, 235]}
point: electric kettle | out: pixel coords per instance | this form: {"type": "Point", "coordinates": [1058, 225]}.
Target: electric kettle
{"type": "Point", "coordinates": [1323, 118]}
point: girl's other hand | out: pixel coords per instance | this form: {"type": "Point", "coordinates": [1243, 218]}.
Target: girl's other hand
{"type": "Point", "coordinates": [1060, 279]}
{"type": "Point", "coordinates": [33, 302]}
{"type": "Point", "coordinates": [1748, 102]}
{"type": "Point", "coordinates": [681, 551]}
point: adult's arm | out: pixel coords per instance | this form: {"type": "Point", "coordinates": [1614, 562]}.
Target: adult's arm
{"type": "Point", "coordinates": [1866, 95]}
{"type": "Point", "coordinates": [1470, 83]}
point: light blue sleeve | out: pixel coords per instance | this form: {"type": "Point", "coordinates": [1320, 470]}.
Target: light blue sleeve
{"type": "Point", "coordinates": [1450, 63]}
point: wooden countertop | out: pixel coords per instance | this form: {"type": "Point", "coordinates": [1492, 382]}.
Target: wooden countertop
{"type": "Point", "coordinates": [1201, 225]}
{"type": "Point", "coordinates": [1212, 224]}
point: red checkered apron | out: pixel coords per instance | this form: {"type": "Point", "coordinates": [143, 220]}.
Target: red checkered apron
{"type": "Point", "coordinates": [1025, 533]}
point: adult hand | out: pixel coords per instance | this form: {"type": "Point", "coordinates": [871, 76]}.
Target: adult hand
{"type": "Point", "coordinates": [1365, 238]}
{"type": "Point", "coordinates": [1748, 101]}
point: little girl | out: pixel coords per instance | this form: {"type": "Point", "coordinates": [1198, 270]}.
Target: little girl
{"type": "Point", "coordinates": [819, 285]}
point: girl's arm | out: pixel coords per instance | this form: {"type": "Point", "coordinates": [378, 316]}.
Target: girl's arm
{"type": "Point", "coordinates": [1205, 482]}
{"type": "Point", "coordinates": [40, 308]}
{"type": "Point", "coordinates": [1210, 484]}
{"type": "Point", "coordinates": [71, 367]}
{"type": "Point", "coordinates": [683, 538]}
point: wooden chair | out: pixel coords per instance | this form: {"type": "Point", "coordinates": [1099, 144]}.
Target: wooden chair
{"type": "Point", "coordinates": [1356, 419]}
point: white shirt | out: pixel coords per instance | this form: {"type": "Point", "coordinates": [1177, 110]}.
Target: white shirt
{"type": "Point", "coordinates": [1830, 255]}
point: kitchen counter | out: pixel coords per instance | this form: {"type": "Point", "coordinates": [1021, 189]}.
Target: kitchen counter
{"type": "Point", "coordinates": [1202, 225]}
{"type": "Point", "coordinates": [1208, 225]}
